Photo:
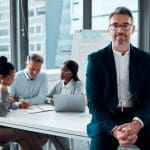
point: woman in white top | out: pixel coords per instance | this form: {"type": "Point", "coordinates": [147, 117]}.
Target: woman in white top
{"type": "Point", "coordinates": [69, 84]}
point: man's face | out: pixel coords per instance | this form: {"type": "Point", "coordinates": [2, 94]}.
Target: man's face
{"type": "Point", "coordinates": [121, 27]}
{"type": "Point", "coordinates": [33, 68]}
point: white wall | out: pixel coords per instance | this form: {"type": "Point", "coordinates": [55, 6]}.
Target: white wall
{"type": "Point", "coordinates": [53, 76]}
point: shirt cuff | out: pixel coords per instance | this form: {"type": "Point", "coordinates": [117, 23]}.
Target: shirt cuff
{"type": "Point", "coordinates": [114, 128]}
{"type": "Point", "coordinates": [48, 100]}
{"type": "Point", "coordinates": [138, 119]}
{"type": "Point", "coordinates": [16, 104]}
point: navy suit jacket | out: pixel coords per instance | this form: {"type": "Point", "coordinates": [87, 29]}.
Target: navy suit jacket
{"type": "Point", "coordinates": [101, 87]}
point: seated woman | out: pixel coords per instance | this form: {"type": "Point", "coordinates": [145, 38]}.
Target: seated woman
{"type": "Point", "coordinates": [69, 84]}
{"type": "Point", "coordinates": [27, 140]}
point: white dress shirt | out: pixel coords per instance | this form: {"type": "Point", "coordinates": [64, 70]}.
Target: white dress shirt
{"type": "Point", "coordinates": [122, 71]}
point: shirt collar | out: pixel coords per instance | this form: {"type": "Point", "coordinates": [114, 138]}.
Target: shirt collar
{"type": "Point", "coordinates": [26, 75]}
{"type": "Point", "coordinates": [117, 53]}
{"type": "Point", "coordinates": [68, 84]}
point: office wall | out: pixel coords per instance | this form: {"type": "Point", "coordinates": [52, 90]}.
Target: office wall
{"type": "Point", "coordinates": [53, 76]}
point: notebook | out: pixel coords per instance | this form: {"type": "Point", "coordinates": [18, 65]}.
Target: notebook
{"type": "Point", "coordinates": [39, 108]}
{"type": "Point", "coordinates": [69, 103]}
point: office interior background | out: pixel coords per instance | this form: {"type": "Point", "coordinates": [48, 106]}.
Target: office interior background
{"type": "Point", "coordinates": [47, 27]}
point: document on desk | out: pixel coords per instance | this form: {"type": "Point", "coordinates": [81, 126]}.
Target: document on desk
{"type": "Point", "coordinates": [39, 108]}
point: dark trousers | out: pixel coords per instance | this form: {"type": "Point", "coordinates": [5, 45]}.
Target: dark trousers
{"type": "Point", "coordinates": [60, 143]}
{"type": "Point", "coordinates": [26, 140]}
{"type": "Point", "coordinates": [104, 141]}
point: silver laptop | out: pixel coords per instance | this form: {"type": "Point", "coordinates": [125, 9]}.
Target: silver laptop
{"type": "Point", "coordinates": [69, 103]}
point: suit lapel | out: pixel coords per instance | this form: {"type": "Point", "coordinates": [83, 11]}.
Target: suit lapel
{"type": "Point", "coordinates": [111, 69]}
{"type": "Point", "coordinates": [132, 69]}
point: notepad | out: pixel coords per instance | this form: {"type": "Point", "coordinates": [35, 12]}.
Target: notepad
{"type": "Point", "coordinates": [39, 108]}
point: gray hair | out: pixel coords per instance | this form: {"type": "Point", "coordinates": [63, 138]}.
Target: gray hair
{"type": "Point", "coordinates": [35, 58]}
{"type": "Point", "coordinates": [121, 11]}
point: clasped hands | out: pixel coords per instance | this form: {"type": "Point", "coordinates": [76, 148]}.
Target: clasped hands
{"type": "Point", "coordinates": [127, 133]}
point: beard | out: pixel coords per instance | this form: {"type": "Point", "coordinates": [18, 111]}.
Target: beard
{"type": "Point", "coordinates": [121, 39]}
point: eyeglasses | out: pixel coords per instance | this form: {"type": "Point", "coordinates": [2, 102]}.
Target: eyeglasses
{"type": "Point", "coordinates": [125, 26]}
{"type": "Point", "coordinates": [66, 72]}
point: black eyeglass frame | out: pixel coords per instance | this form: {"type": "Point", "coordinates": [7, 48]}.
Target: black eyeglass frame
{"type": "Point", "coordinates": [125, 26]}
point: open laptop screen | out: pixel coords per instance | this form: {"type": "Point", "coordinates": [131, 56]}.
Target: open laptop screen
{"type": "Point", "coordinates": [69, 103]}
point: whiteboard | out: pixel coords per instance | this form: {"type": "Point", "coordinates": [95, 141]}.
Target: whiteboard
{"type": "Point", "coordinates": [86, 42]}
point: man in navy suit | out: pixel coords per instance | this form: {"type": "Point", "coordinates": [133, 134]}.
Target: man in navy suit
{"type": "Point", "coordinates": [118, 89]}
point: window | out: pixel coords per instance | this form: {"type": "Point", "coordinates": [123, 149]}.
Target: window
{"type": "Point", "coordinates": [4, 16]}
{"type": "Point", "coordinates": [31, 13]}
{"type": "Point", "coordinates": [4, 2]}
{"type": "Point", "coordinates": [38, 47]}
{"type": "Point", "coordinates": [31, 30]}
{"type": "Point", "coordinates": [3, 32]}
{"type": "Point", "coordinates": [101, 11]}
{"type": "Point", "coordinates": [41, 11]}
{"type": "Point", "coordinates": [56, 22]}
{"type": "Point", "coordinates": [38, 29]}
{"type": "Point", "coordinates": [5, 49]}
{"type": "Point", "coordinates": [31, 47]}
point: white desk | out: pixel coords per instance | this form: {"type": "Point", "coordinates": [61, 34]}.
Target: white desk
{"type": "Point", "coordinates": [72, 125]}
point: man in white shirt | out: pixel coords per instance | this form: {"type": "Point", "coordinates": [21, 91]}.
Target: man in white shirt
{"type": "Point", "coordinates": [118, 89]}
